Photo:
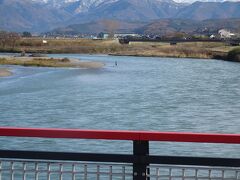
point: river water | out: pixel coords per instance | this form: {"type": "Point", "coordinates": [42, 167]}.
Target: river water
{"type": "Point", "coordinates": [163, 94]}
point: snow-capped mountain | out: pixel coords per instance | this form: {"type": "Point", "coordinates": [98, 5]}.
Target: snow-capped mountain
{"type": "Point", "coordinates": [76, 6]}
{"type": "Point", "coordinates": [54, 3]}
{"type": "Point", "coordinates": [82, 3]}
{"type": "Point", "coordinates": [43, 15]}
{"type": "Point", "coordinates": [81, 6]}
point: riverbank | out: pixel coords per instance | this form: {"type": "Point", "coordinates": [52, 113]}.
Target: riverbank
{"type": "Point", "coordinates": [49, 62]}
{"type": "Point", "coordinates": [197, 50]}
{"type": "Point", "coordinates": [234, 55]}
{"type": "Point", "coordinates": [5, 72]}
{"type": "Point", "coordinates": [200, 50]}
{"type": "Point", "coordinates": [175, 53]}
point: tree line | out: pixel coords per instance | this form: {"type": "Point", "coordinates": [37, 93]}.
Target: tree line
{"type": "Point", "coordinates": [9, 39]}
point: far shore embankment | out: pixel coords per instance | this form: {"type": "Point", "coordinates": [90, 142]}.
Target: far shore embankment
{"type": "Point", "coordinates": [197, 50]}
{"type": "Point", "coordinates": [192, 55]}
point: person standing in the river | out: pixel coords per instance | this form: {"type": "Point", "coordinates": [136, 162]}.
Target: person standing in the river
{"type": "Point", "coordinates": [116, 63]}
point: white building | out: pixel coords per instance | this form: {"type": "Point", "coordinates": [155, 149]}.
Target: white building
{"type": "Point", "coordinates": [225, 33]}
{"type": "Point", "coordinates": [212, 36]}
{"type": "Point", "coordinates": [119, 35]}
{"type": "Point", "coordinates": [116, 35]}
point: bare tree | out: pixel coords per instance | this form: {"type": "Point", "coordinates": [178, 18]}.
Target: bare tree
{"type": "Point", "coordinates": [13, 38]}
{"type": "Point", "coordinates": [3, 39]}
{"type": "Point", "coordinates": [8, 39]}
{"type": "Point", "coordinates": [111, 26]}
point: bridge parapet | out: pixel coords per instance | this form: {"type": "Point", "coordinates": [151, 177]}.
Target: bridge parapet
{"type": "Point", "coordinates": [140, 165]}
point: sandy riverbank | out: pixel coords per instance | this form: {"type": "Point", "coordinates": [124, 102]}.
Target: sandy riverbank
{"type": "Point", "coordinates": [5, 72]}
{"type": "Point", "coordinates": [49, 62]}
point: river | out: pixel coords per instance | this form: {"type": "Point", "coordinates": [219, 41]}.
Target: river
{"type": "Point", "coordinates": [163, 94]}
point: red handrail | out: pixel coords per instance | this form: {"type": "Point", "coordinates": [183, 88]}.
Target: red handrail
{"type": "Point", "coordinates": [120, 135]}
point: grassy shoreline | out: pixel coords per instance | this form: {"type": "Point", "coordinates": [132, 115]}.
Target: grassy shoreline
{"type": "Point", "coordinates": [220, 56]}
{"type": "Point", "coordinates": [49, 62]}
{"type": "Point", "coordinates": [200, 50]}
{"type": "Point", "coordinates": [214, 55]}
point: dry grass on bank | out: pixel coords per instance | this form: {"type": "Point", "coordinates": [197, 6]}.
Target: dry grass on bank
{"type": "Point", "coordinates": [203, 50]}
{"type": "Point", "coordinates": [49, 62]}
{"type": "Point", "coordinates": [155, 49]}
{"type": "Point", "coordinates": [69, 46]}
{"type": "Point", "coordinates": [181, 50]}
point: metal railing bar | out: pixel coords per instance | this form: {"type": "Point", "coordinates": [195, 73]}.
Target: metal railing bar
{"type": "Point", "coordinates": [73, 172]}
{"type": "Point", "coordinates": [36, 171]}
{"type": "Point", "coordinates": [140, 164]}
{"type": "Point", "coordinates": [70, 172]}
{"type": "Point", "coordinates": [62, 156]}
{"type": "Point", "coordinates": [124, 172]}
{"type": "Point", "coordinates": [85, 172]}
{"type": "Point", "coordinates": [24, 171]}
{"type": "Point", "coordinates": [53, 162]}
{"type": "Point", "coordinates": [0, 170]}
{"type": "Point", "coordinates": [197, 161]}
{"type": "Point", "coordinates": [48, 171]}
{"type": "Point", "coordinates": [98, 172]}
{"type": "Point", "coordinates": [111, 172]}
{"type": "Point", "coordinates": [191, 177]}
{"type": "Point", "coordinates": [195, 167]}
{"type": "Point", "coordinates": [120, 158]}
{"type": "Point", "coordinates": [11, 171]}
{"type": "Point", "coordinates": [80, 172]}
{"type": "Point", "coordinates": [120, 135]}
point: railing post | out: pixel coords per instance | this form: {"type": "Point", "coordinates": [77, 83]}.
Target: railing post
{"type": "Point", "coordinates": [140, 151]}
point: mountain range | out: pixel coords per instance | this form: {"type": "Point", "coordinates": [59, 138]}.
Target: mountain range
{"type": "Point", "coordinates": [157, 27]}
{"type": "Point", "coordinates": [44, 15]}
{"type": "Point", "coordinates": [207, 27]}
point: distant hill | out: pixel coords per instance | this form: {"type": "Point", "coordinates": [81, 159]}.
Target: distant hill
{"type": "Point", "coordinates": [167, 26]}
{"type": "Point", "coordinates": [44, 15]}
{"type": "Point", "coordinates": [96, 27]}
{"type": "Point", "coordinates": [131, 10]}
{"type": "Point", "coordinates": [159, 27]}
{"type": "Point", "coordinates": [22, 15]}
{"type": "Point", "coordinates": [210, 10]}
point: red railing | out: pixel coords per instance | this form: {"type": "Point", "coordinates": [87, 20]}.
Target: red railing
{"type": "Point", "coordinates": [141, 160]}
{"type": "Point", "coordinates": [120, 135]}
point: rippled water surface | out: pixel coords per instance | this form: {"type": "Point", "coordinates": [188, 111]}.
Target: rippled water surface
{"type": "Point", "coordinates": [139, 94]}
